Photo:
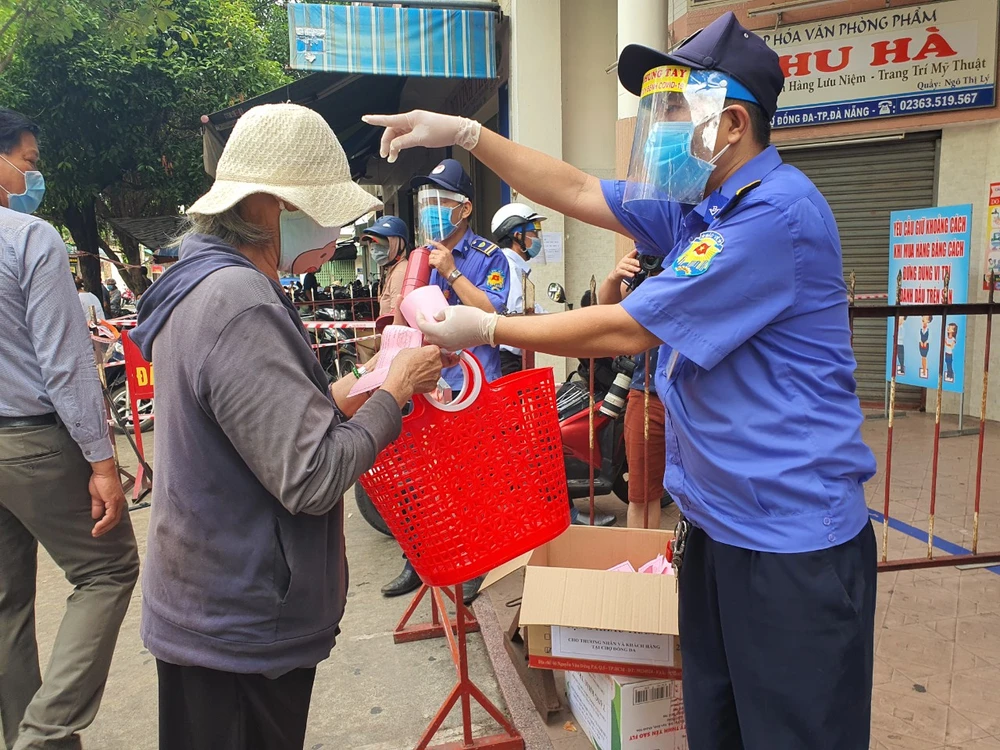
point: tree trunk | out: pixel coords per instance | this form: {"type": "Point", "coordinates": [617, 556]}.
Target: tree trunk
{"type": "Point", "coordinates": [133, 256]}
{"type": "Point", "coordinates": [81, 221]}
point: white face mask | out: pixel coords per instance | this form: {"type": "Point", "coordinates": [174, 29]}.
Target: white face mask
{"type": "Point", "coordinates": [305, 245]}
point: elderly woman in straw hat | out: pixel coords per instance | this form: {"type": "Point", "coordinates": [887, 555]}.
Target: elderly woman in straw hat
{"type": "Point", "coordinates": [246, 578]}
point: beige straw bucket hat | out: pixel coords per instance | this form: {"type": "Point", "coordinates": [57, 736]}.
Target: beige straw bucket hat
{"type": "Point", "coordinates": [287, 151]}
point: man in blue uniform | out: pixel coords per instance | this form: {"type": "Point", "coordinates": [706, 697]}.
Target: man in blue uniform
{"type": "Point", "coordinates": [470, 270]}
{"type": "Point", "coordinates": [764, 449]}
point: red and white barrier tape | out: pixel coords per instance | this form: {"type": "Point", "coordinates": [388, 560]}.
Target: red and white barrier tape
{"type": "Point", "coordinates": [311, 325]}
{"type": "Point", "coordinates": [319, 325]}
{"type": "Point", "coordinates": [373, 337]}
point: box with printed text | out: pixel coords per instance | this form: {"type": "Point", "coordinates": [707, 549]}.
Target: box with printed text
{"type": "Point", "coordinates": [580, 616]}
{"type": "Point", "coordinates": [623, 713]}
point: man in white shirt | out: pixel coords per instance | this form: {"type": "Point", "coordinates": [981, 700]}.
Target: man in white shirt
{"type": "Point", "coordinates": [89, 300]}
{"type": "Point", "coordinates": [517, 229]}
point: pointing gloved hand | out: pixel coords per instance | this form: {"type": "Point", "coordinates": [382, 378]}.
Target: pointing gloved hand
{"type": "Point", "coordinates": [459, 327]}
{"type": "Point", "coordinates": [422, 128]}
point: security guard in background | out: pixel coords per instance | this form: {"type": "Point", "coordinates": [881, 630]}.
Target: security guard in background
{"type": "Point", "coordinates": [471, 271]}
{"type": "Point", "coordinates": [763, 426]}
{"type": "Point", "coordinates": [518, 230]}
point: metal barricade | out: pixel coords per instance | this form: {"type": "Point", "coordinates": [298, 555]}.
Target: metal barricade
{"type": "Point", "coordinates": [954, 553]}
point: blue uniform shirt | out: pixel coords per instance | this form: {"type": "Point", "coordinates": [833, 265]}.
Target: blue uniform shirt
{"type": "Point", "coordinates": [485, 265]}
{"type": "Point", "coordinates": [763, 427]}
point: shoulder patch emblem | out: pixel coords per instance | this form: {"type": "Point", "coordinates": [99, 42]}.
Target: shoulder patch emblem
{"type": "Point", "coordinates": [495, 280]}
{"type": "Point", "coordinates": [483, 245]}
{"type": "Point", "coordinates": [699, 254]}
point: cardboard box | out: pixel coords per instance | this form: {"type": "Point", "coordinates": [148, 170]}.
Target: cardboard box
{"type": "Point", "coordinates": [580, 616]}
{"type": "Point", "coordinates": [621, 713]}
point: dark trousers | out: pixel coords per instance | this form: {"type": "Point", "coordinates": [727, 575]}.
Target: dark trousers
{"type": "Point", "coordinates": [778, 648]}
{"type": "Point", "coordinates": [202, 709]}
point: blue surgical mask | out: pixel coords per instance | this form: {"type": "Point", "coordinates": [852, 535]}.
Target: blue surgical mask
{"type": "Point", "coordinates": [305, 245]}
{"type": "Point", "coordinates": [436, 223]}
{"type": "Point", "coordinates": [534, 248]}
{"type": "Point", "coordinates": [34, 190]}
{"type": "Point", "coordinates": [671, 166]}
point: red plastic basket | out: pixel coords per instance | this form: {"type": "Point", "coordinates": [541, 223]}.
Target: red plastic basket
{"type": "Point", "coordinates": [471, 485]}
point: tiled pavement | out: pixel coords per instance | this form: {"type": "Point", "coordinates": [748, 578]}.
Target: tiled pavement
{"type": "Point", "coordinates": [937, 653]}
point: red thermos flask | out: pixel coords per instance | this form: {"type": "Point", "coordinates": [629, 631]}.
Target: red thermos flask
{"type": "Point", "coordinates": [418, 273]}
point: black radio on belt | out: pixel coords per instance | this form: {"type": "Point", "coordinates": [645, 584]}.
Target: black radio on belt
{"type": "Point", "coordinates": [649, 265]}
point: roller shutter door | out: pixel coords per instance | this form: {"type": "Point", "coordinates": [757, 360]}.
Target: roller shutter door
{"type": "Point", "coordinates": [863, 184]}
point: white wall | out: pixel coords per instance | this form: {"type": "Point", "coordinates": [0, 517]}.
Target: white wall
{"type": "Point", "coordinates": [643, 22]}
{"type": "Point", "coordinates": [969, 161]}
{"type": "Point", "coordinates": [588, 121]}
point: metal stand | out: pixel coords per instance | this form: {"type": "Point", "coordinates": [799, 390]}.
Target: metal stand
{"type": "Point", "coordinates": [406, 633]}
{"type": "Point", "coordinates": [465, 690]}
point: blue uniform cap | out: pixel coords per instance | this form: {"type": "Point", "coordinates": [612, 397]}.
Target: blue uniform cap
{"type": "Point", "coordinates": [389, 226]}
{"type": "Point", "coordinates": [449, 175]}
{"type": "Point", "coordinates": [724, 46]}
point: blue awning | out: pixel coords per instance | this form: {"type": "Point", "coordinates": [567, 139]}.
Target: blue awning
{"type": "Point", "coordinates": [427, 42]}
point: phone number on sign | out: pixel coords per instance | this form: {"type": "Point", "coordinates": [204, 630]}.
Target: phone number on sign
{"type": "Point", "coordinates": [937, 102]}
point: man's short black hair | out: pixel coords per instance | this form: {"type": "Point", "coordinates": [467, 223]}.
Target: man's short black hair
{"type": "Point", "coordinates": [13, 125]}
{"type": "Point", "coordinates": [760, 123]}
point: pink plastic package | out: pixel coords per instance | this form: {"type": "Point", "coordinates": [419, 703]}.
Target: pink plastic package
{"type": "Point", "coordinates": [427, 301]}
{"type": "Point", "coordinates": [658, 566]}
{"type": "Point", "coordinates": [623, 567]}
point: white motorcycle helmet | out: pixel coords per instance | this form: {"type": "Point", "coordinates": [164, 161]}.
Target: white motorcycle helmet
{"type": "Point", "coordinates": [511, 217]}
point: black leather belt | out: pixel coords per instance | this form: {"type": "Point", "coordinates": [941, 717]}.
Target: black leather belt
{"type": "Point", "coordinates": [40, 421]}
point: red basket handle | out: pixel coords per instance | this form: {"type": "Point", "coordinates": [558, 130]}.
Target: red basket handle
{"type": "Point", "coordinates": [475, 379]}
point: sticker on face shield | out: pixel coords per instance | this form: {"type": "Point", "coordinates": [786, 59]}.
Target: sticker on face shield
{"type": "Point", "coordinates": [495, 281]}
{"type": "Point", "coordinates": [698, 257]}
{"type": "Point", "coordinates": [666, 79]}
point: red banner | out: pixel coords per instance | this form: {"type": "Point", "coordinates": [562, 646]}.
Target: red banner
{"type": "Point", "coordinates": [139, 379]}
{"type": "Point", "coordinates": [138, 372]}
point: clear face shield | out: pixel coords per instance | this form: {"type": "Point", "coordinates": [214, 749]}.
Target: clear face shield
{"type": "Point", "coordinates": [673, 150]}
{"type": "Point", "coordinates": [439, 213]}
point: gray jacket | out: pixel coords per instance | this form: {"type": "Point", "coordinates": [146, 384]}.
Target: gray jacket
{"type": "Point", "coordinates": [246, 570]}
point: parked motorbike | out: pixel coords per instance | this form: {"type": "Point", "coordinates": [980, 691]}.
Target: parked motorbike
{"type": "Point", "coordinates": [337, 361]}
{"type": "Point", "coordinates": [611, 474]}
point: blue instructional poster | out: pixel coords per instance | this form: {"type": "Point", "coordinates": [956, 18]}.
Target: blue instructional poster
{"type": "Point", "coordinates": [926, 245]}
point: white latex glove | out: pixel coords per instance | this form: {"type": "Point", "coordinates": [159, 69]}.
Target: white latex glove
{"type": "Point", "coordinates": [459, 327]}
{"type": "Point", "coordinates": [422, 128]}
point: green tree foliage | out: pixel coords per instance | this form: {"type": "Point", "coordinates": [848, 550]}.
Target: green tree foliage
{"type": "Point", "coordinates": [121, 124]}
{"type": "Point", "coordinates": [26, 22]}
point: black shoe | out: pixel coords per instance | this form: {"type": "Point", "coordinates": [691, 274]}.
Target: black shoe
{"type": "Point", "coordinates": [405, 583]}
{"type": "Point", "coordinates": [600, 518]}
{"type": "Point", "coordinates": [470, 590]}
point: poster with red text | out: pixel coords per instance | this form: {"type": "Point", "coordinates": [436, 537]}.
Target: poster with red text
{"type": "Point", "coordinates": [992, 261]}
{"type": "Point", "coordinates": [928, 245]}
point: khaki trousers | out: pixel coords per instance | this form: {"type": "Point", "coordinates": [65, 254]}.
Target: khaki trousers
{"type": "Point", "coordinates": [44, 498]}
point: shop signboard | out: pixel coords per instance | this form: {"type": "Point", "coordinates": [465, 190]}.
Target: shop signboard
{"type": "Point", "coordinates": [927, 245]}
{"type": "Point", "coordinates": [908, 60]}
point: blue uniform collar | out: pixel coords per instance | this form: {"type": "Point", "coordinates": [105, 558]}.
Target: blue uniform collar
{"type": "Point", "coordinates": [463, 244]}
{"type": "Point", "coordinates": [756, 169]}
